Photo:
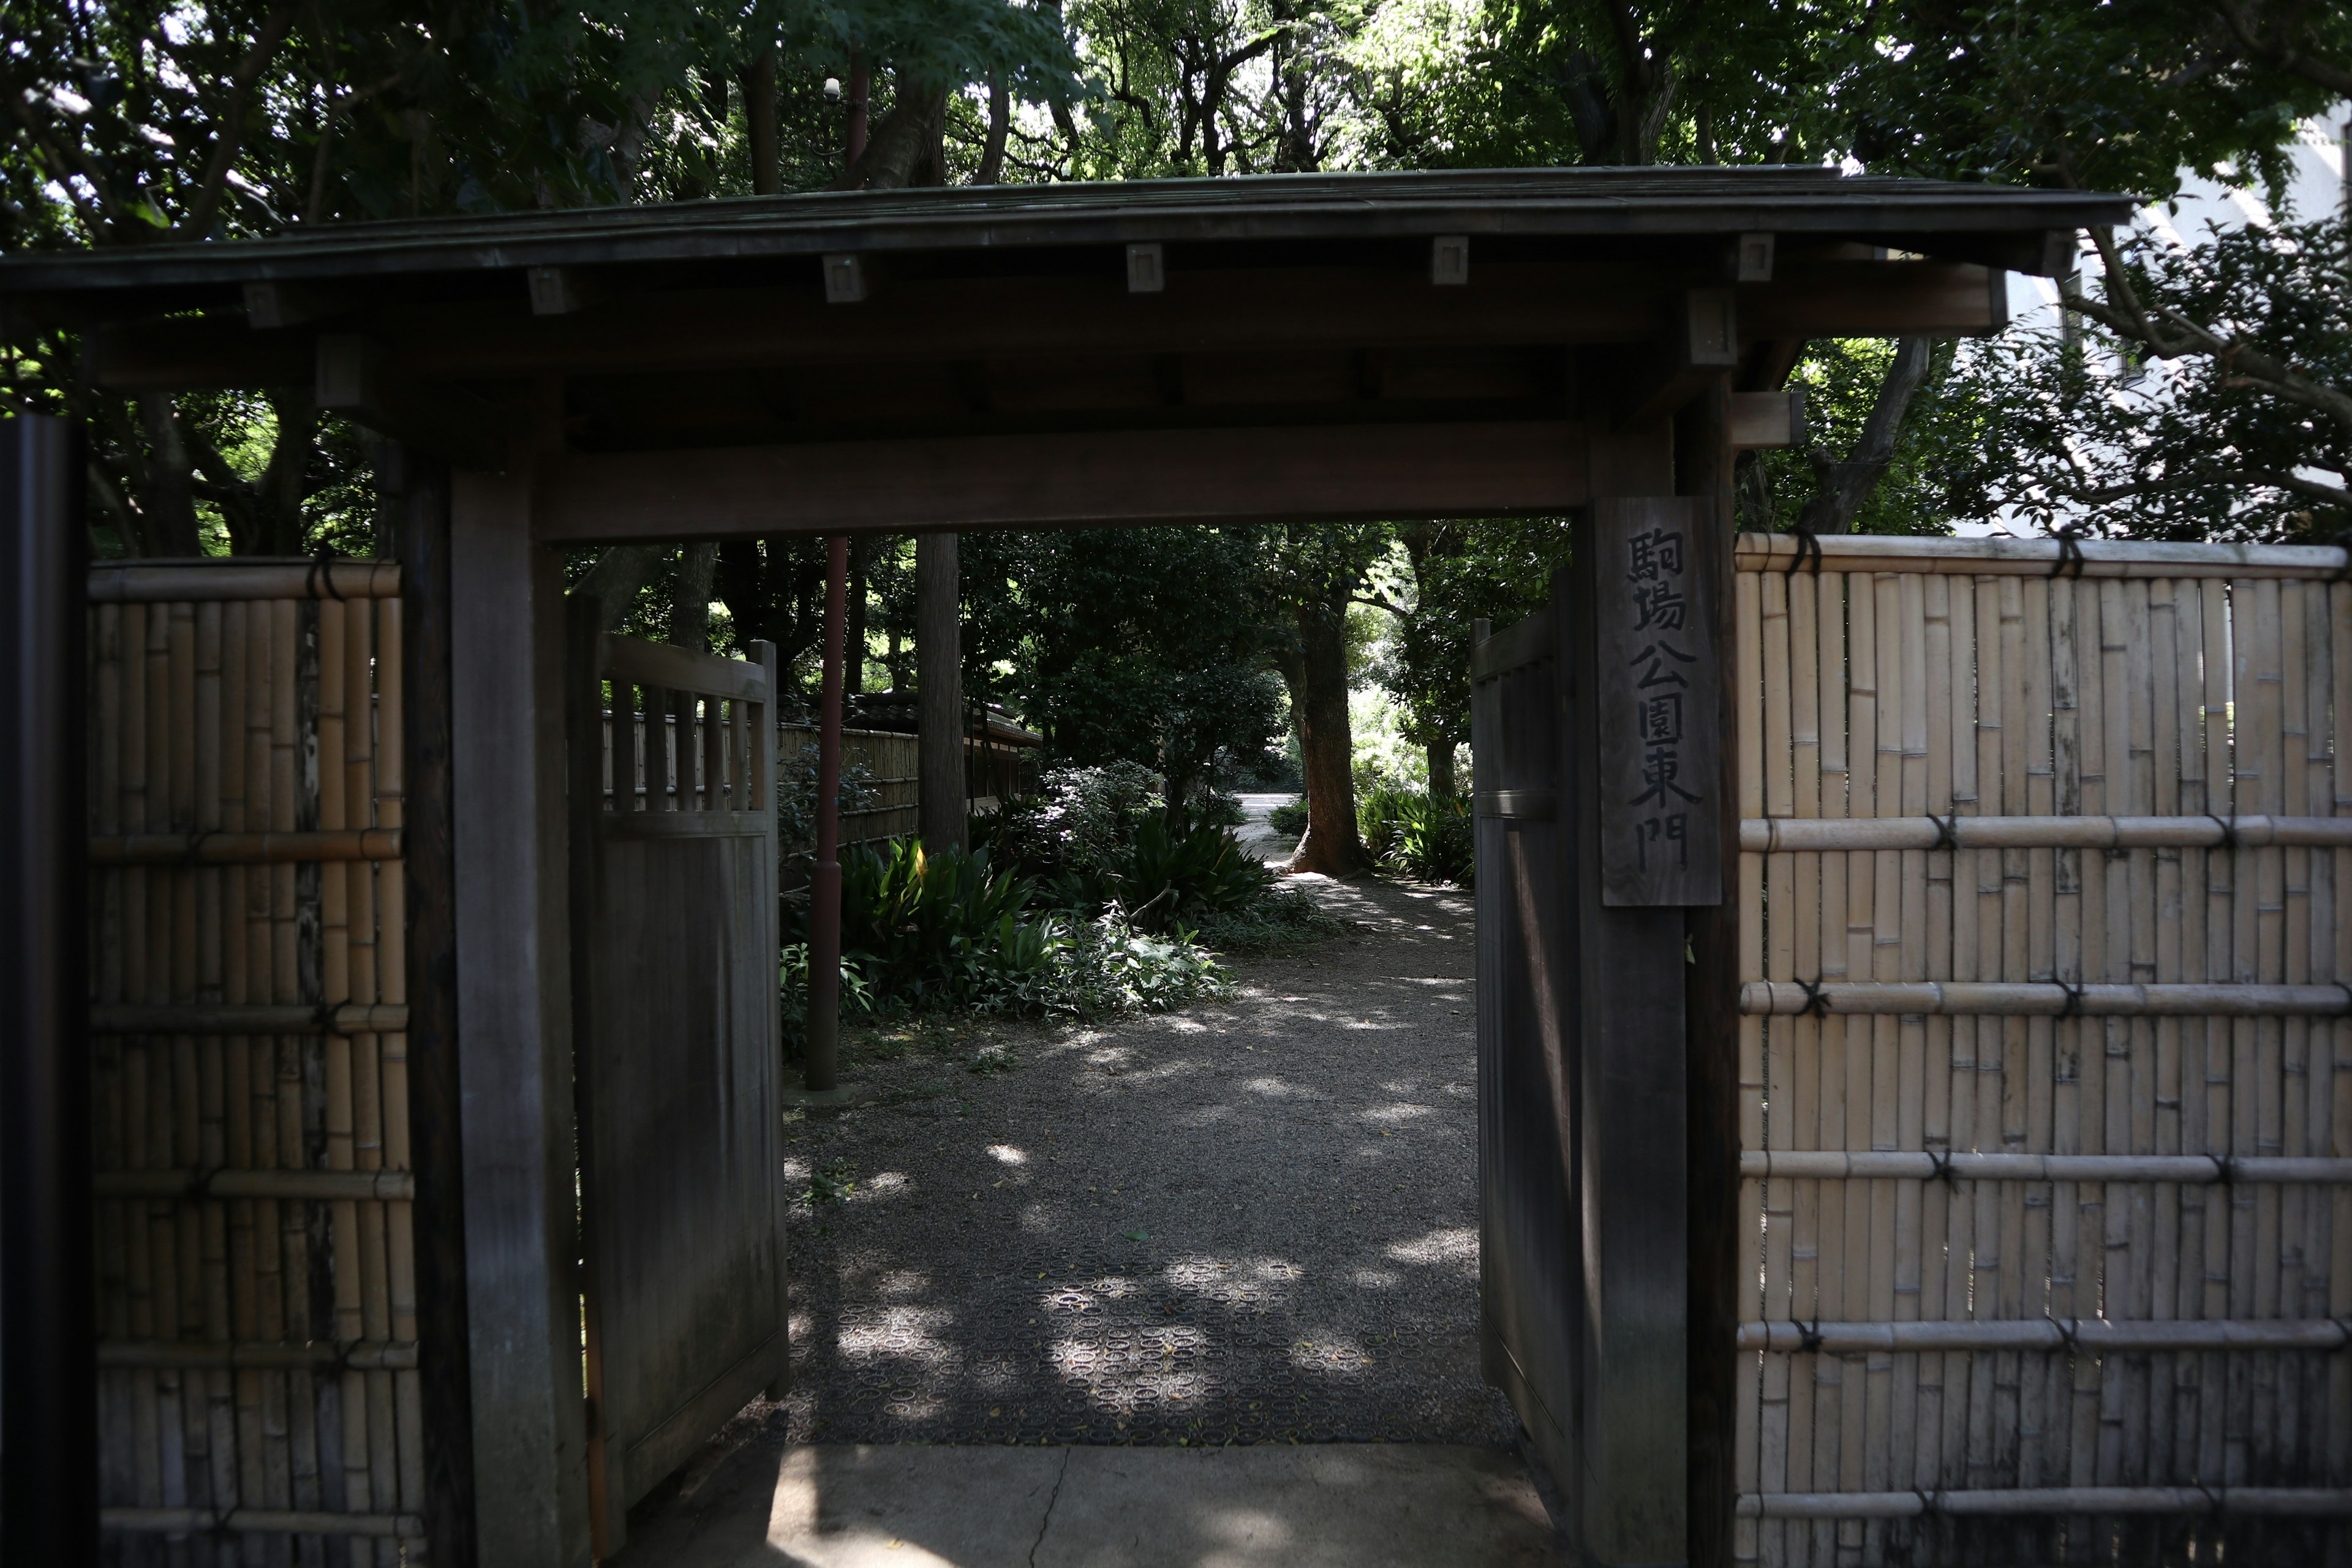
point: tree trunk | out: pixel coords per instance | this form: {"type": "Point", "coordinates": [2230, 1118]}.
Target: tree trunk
{"type": "Point", "coordinates": [905, 148]}
{"type": "Point", "coordinates": [1319, 701]}
{"type": "Point", "coordinates": [999, 123]}
{"type": "Point", "coordinates": [690, 608]}
{"type": "Point", "coordinates": [612, 582]}
{"type": "Point", "coordinates": [170, 499]}
{"type": "Point", "coordinates": [1441, 768]}
{"type": "Point", "coordinates": [1846, 485]}
{"type": "Point", "coordinates": [759, 111]}
{"type": "Point", "coordinates": [853, 663]}
{"type": "Point", "coordinates": [286, 482]}
{"type": "Point", "coordinates": [939, 691]}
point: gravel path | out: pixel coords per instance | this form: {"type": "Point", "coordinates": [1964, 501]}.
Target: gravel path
{"type": "Point", "coordinates": [1246, 1222]}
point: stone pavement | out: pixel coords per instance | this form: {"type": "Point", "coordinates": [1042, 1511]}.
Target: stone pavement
{"type": "Point", "coordinates": [1353, 1506]}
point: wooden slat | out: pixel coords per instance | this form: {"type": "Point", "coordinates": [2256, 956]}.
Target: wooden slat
{"type": "Point", "coordinates": [1523, 642]}
{"type": "Point", "coordinates": [264, 1018]}
{"type": "Point", "coordinates": [679, 670]}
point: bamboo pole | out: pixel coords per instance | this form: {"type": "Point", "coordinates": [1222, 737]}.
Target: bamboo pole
{"type": "Point", "coordinates": [223, 1354]}
{"type": "Point", "coordinates": [260, 1521]}
{"type": "Point", "coordinates": [2221, 871]}
{"type": "Point", "coordinates": [1815, 736]}
{"type": "Point", "coordinates": [211, 847]}
{"type": "Point", "coordinates": [2265, 1502]}
{"type": "Point", "coordinates": [1842, 1164]}
{"type": "Point", "coordinates": [2258, 1065]}
{"type": "Point", "coordinates": [214, 1183]}
{"type": "Point", "coordinates": [1760, 672]}
{"type": "Point", "coordinates": [2043, 999]}
{"type": "Point", "coordinates": [2087, 1338]}
{"type": "Point", "coordinates": [2337, 1100]}
{"type": "Point", "coordinates": [2038, 558]}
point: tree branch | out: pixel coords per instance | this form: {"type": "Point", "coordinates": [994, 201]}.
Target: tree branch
{"type": "Point", "coordinates": [229, 139]}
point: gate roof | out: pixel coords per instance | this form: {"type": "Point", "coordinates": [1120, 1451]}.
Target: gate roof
{"type": "Point", "coordinates": [1127, 341]}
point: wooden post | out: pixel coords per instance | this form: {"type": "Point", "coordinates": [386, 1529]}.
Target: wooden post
{"type": "Point", "coordinates": [417, 489]}
{"type": "Point", "coordinates": [1711, 1010]}
{"type": "Point", "coordinates": [939, 684]}
{"type": "Point", "coordinates": [514, 1019]}
{"type": "Point", "coordinates": [48, 1310]}
{"type": "Point", "coordinates": [1626, 1038]}
{"type": "Point", "coordinates": [820, 1070]}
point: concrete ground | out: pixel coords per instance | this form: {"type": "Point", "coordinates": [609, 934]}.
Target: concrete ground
{"type": "Point", "coordinates": [905, 1506]}
{"type": "Point", "coordinates": [1257, 834]}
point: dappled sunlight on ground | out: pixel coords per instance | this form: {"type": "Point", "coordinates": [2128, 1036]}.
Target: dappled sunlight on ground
{"type": "Point", "coordinates": [1252, 1222]}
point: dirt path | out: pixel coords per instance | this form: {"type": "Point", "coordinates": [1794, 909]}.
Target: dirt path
{"type": "Point", "coordinates": [1250, 1221]}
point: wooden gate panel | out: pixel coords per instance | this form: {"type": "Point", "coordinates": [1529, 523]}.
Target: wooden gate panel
{"type": "Point", "coordinates": [678, 1054]}
{"type": "Point", "coordinates": [1530, 1276]}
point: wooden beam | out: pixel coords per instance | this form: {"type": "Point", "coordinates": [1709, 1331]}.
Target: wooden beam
{"type": "Point", "coordinates": [1833, 299]}
{"type": "Point", "coordinates": [1768, 419]}
{"type": "Point", "coordinates": [357, 376]}
{"type": "Point", "coordinates": [1701, 347]}
{"type": "Point", "coordinates": [512, 932]}
{"type": "Point", "coordinates": [195, 354]}
{"type": "Point", "coordinates": [270, 306]}
{"type": "Point", "coordinates": [1362, 471]}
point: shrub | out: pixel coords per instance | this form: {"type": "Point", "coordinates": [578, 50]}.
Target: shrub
{"type": "Point", "coordinates": [1289, 819]}
{"type": "Point", "coordinates": [1428, 838]}
{"type": "Point", "coordinates": [1164, 873]}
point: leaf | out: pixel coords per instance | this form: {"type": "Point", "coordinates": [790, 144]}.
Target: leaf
{"type": "Point", "coordinates": [1137, 1235]}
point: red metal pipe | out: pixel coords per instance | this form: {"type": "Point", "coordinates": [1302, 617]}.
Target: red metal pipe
{"type": "Point", "coordinates": [821, 1068]}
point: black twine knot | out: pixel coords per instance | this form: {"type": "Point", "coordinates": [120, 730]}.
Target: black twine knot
{"type": "Point", "coordinates": [1817, 1001]}
{"type": "Point", "coordinates": [191, 854]}
{"type": "Point", "coordinates": [2066, 1335]}
{"type": "Point", "coordinates": [2070, 561]}
{"type": "Point", "coordinates": [1809, 548]}
{"type": "Point", "coordinates": [2347, 999]}
{"type": "Point", "coordinates": [2074, 1007]}
{"type": "Point", "coordinates": [323, 571]}
{"type": "Point", "coordinates": [1941, 1159]}
{"type": "Point", "coordinates": [200, 1189]}
{"type": "Point", "coordinates": [1808, 1335]}
{"type": "Point", "coordinates": [223, 1524]}
{"type": "Point", "coordinates": [326, 1023]}
{"type": "Point", "coordinates": [2229, 826]}
{"type": "Point", "coordinates": [1948, 832]}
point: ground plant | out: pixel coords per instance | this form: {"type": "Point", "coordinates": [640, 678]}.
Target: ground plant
{"type": "Point", "coordinates": [1419, 833]}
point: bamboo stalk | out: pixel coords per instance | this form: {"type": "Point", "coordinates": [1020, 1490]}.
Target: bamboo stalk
{"type": "Point", "coordinates": [270, 1018]}
{"type": "Point", "coordinates": [2042, 999]}
{"type": "Point", "coordinates": [2335, 1136]}
{"type": "Point", "coordinates": [2273, 1502]}
{"type": "Point", "coordinates": [377, 1186]}
{"type": "Point", "coordinates": [220, 846]}
{"type": "Point", "coordinates": [2035, 558]}
{"type": "Point", "coordinates": [2258, 1065]}
{"type": "Point", "coordinates": [260, 1521]}
{"type": "Point", "coordinates": [2091, 1337]}
{"type": "Point", "coordinates": [1839, 1165]}
{"type": "Point", "coordinates": [1760, 652]}
{"type": "Point", "coordinates": [224, 1355]}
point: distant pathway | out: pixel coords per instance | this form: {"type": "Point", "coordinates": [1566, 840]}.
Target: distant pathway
{"type": "Point", "coordinates": [1248, 1221]}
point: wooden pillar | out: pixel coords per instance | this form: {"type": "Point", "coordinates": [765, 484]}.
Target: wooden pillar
{"type": "Point", "coordinates": [1703, 465]}
{"type": "Point", "coordinates": [1626, 1036]}
{"type": "Point", "coordinates": [48, 1421]}
{"type": "Point", "coordinates": [821, 1062]}
{"type": "Point", "coordinates": [416, 492]}
{"type": "Point", "coordinates": [938, 688]}
{"type": "Point", "coordinates": [512, 963]}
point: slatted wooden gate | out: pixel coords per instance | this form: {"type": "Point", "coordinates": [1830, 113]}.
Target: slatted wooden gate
{"type": "Point", "coordinates": [678, 1056]}
{"type": "Point", "coordinates": [2047, 1085]}
{"type": "Point", "coordinates": [1530, 1276]}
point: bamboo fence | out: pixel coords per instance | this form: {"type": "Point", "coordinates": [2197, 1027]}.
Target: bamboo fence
{"type": "Point", "coordinates": [2045, 1053]}
{"type": "Point", "coordinates": [258, 1389]}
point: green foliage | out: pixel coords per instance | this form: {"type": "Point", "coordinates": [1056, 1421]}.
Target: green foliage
{"type": "Point", "coordinates": [1290, 817]}
{"type": "Point", "coordinates": [1144, 646]}
{"type": "Point", "coordinates": [1442, 576]}
{"type": "Point", "coordinates": [2251, 443]}
{"type": "Point", "coordinates": [1426, 837]}
{"type": "Point", "coordinates": [1166, 874]}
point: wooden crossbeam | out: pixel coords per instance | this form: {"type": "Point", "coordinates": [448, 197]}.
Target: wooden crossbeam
{"type": "Point", "coordinates": [1320, 472]}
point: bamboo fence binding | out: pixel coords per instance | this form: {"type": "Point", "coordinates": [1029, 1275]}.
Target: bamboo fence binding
{"type": "Point", "coordinates": [255, 1282]}
{"type": "Point", "coordinates": [2046, 1119]}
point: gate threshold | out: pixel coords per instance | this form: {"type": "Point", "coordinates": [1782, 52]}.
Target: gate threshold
{"type": "Point", "coordinates": [907, 1506]}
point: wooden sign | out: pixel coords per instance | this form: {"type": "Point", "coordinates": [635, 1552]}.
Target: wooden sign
{"type": "Point", "coordinates": [1657, 730]}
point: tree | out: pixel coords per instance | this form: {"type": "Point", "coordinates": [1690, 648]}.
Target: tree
{"type": "Point", "coordinates": [1313, 573]}
{"type": "Point", "coordinates": [1444, 576]}
{"type": "Point", "coordinates": [1122, 645]}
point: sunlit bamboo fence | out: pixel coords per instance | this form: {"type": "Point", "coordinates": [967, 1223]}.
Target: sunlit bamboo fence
{"type": "Point", "coordinates": [2045, 1061]}
{"type": "Point", "coordinates": [257, 1317]}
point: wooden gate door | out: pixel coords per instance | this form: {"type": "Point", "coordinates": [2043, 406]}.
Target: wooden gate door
{"type": "Point", "coordinates": [674, 945]}
{"type": "Point", "coordinates": [1530, 1273]}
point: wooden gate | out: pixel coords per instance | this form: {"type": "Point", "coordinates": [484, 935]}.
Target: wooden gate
{"type": "Point", "coordinates": [1530, 1284]}
{"type": "Point", "coordinates": [2047, 1081]}
{"type": "Point", "coordinates": [678, 1056]}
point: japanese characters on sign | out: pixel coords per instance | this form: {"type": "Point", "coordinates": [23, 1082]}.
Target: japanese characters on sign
{"type": "Point", "coordinates": [1655, 712]}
